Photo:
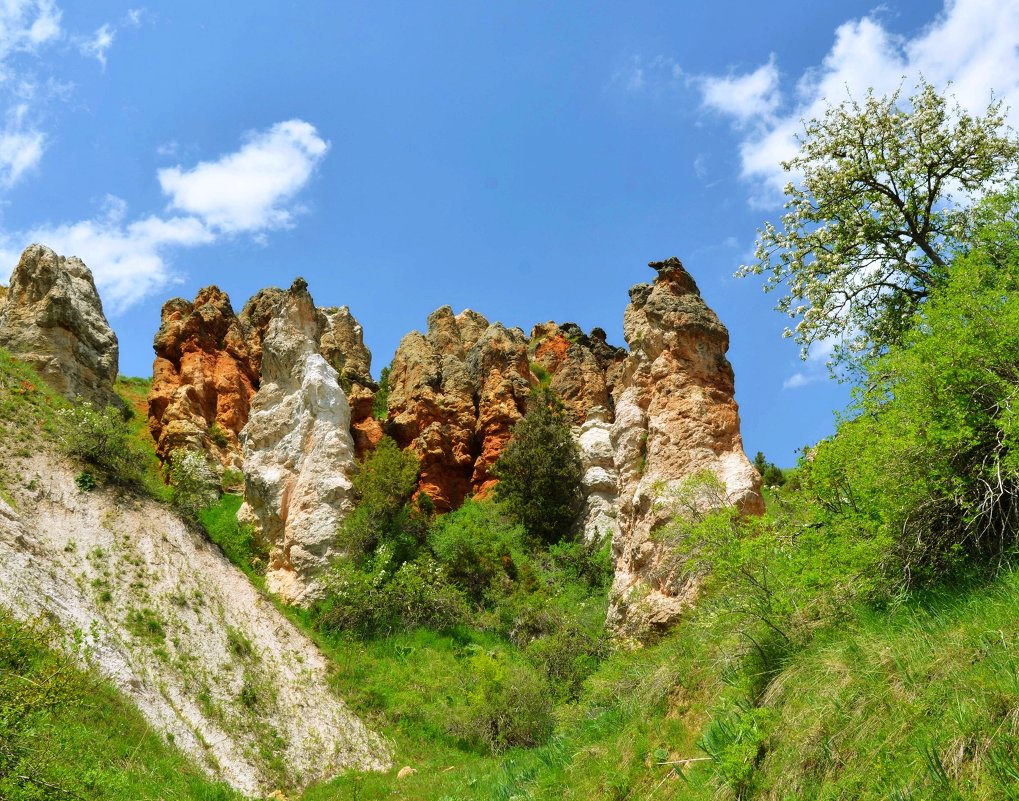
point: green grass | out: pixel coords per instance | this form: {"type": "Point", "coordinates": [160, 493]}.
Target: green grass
{"type": "Point", "coordinates": [235, 540]}
{"type": "Point", "coordinates": [923, 700]}
{"type": "Point", "coordinates": [920, 701]}
{"type": "Point", "coordinates": [134, 392]}
{"type": "Point", "coordinates": [66, 734]}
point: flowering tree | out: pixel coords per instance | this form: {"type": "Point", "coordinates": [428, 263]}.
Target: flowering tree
{"type": "Point", "coordinates": [870, 228]}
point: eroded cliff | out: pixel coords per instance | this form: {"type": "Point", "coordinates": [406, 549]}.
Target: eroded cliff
{"type": "Point", "coordinates": [51, 317]}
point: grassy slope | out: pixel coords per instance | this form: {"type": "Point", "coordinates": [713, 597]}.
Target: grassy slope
{"type": "Point", "coordinates": [64, 732]}
{"type": "Point", "coordinates": [920, 702]}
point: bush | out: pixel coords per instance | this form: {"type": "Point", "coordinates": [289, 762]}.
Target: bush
{"type": "Point", "coordinates": [509, 706]}
{"type": "Point", "coordinates": [539, 472]}
{"type": "Point", "coordinates": [85, 481]}
{"type": "Point", "coordinates": [102, 438]}
{"type": "Point", "coordinates": [930, 458]}
{"type": "Point", "coordinates": [217, 436]}
{"type": "Point", "coordinates": [192, 482]}
{"type": "Point", "coordinates": [586, 561]}
{"type": "Point", "coordinates": [380, 597]}
{"type": "Point", "coordinates": [383, 485]}
{"type": "Point", "coordinates": [567, 657]}
{"type": "Point", "coordinates": [476, 545]}
{"type": "Point", "coordinates": [380, 403]}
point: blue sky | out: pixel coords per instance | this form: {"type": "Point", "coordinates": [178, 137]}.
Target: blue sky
{"type": "Point", "coordinates": [523, 159]}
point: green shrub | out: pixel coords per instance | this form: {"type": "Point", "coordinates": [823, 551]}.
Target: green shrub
{"type": "Point", "coordinates": [568, 656]}
{"type": "Point", "coordinates": [539, 471]}
{"type": "Point", "coordinates": [382, 597]}
{"type": "Point", "coordinates": [587, 561]}
{"type": "Point", "coordinates": [101, 437]}
{"type": "Point", "coordinates": [509, 705]}
{"type": "Point", "coordinates": [383, 485]}
{"type": "Point", "coordinates": [232, 480]}
{"type": "Point", "coordinates": [85, 481]}
{"type": "Point", "coordinates": [217, 436]}
{"type": "Point", "coordinates": [380, 403]}
{"type": "Point", "coordinates": [476, 545]}
{"type": "Point", "coordinates": [192, 481]}
{"type": "Point", "coordinates": [930, 457]}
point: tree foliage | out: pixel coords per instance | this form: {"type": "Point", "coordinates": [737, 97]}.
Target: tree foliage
{"type": "Point", "coordinates": [192, 481]}
{"type": "Point", "coordinates": [871, 225]}
{"type": "Point", "coordinates": [539, 472]}
{"type": "Point", "coordinates": [930, 457]}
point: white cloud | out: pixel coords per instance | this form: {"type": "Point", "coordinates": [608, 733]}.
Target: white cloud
{"type": "Point", "coordinates": [131, 259]}
{"type": "Point", "coordinates": [640, 74]}
{"type": "Point", "coordinates": [745, 97]}
{"type": "Point", "coordinates": [797, 380]}
{"type": "Point", "coordinates": [21, 146]}
{"type": "Point", "coordinates": [252, 189]}
{"type": "Point", "coordinates": [26, 24]}
{"type": "Point", "coordinates": [97, 45]}
{"type": "Point", "coordinates": [972, 44]}
{"type": "Point", "coordinates": [128, 259]}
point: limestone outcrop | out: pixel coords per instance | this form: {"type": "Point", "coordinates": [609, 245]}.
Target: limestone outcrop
{"type": "Point", "coordinates": [455, 393]}
{"type": "Point", "coordinates": [675, 415]}
{"type": "Point", "coordinates": [203, 378]}
{"type": "Point", "coordinates": [53, 319]}
{"type": "Point", "coordinates": [290, 385]}
{"type": "Point", "coordinates": [599, 518]}
{"type": "Point", "coordinates": [208, 367]}
{"type": "Point", "coordinates": [297, 450]}
{"type": "Point", "coordinates": [342, 344]}
{"type": "Point", "coordinates": [583, 369]}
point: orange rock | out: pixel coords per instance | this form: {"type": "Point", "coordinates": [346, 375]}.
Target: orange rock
{"type": "Point", "coordinates": [675, 415]}
{"type": "Point", "coordinates": [204, 375]}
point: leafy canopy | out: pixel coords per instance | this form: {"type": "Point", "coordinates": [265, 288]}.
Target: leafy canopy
{"type": "Point", "coordinates": [870, 228]}
{"type": "Point", "coordinates": [931, 457]}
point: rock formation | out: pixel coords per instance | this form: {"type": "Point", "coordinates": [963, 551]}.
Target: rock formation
{"type": "Point", "coordinates": [455, 393]}
{"type": "Point", "coordinates": [599, 519]}
{"type": "Point", "coordinates": [298, 451]}
{"type": "Point", "coordinates": [645, 420]}
{"type": "Point", "coordinates": [208, 367]}
{"type": "Point", "coordinates": [675, 415]}
{"type": "Point", "coordinates": [203, 378]}
{"type": "Point", "coordinates": [342, 345]}
{"type": "Point", "coordinates": [53, 319]}
{"type": "Point", "coordinates": [582, 368]}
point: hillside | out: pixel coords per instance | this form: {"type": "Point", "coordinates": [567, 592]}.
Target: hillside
{"type": "Point", "coordinates": [160, 613]}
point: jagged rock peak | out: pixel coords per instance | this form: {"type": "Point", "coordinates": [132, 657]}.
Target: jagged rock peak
{"type": "Point", "coordinates": [455, 393]}
{"type": "Point", "coordinates": [582, 369]}
{"type": "Point", "coordinates": [208, 367]}
{"type": "Point", "coordinates": [203, 377]}
{"type": "Point", "coordinates": [298, 451]}
{"type": "Point", "coordinates": [676, 415]}
{"type": "Point", "coordinates": [53, 319]}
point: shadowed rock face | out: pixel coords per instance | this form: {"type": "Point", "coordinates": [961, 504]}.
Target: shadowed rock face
{"type": "Point", "coordinates": [53, 319]}
{"type": "Point", "coordinates": [342, 344]}
{"type": "Point", "coordinates": [298, 451]}
{"type": "Point", "coordinates": [675, 415]}
{"type": "Point", "coordinates": [204, 375]}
